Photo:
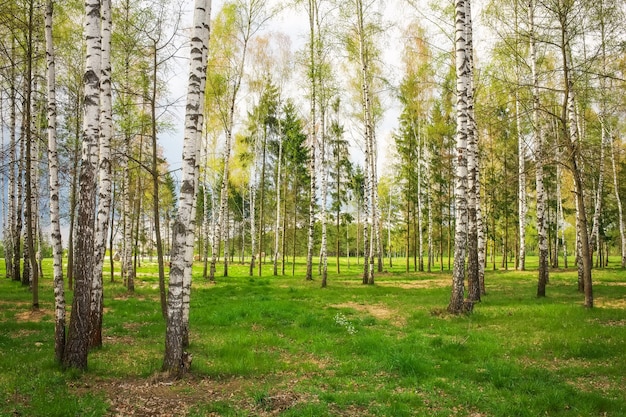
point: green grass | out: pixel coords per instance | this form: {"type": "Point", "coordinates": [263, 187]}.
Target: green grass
{"type": "Point", "coordinates": [284, 346]}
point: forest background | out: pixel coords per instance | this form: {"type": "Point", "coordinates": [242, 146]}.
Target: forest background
{"type": "Point", "coordinates": [284, 146]}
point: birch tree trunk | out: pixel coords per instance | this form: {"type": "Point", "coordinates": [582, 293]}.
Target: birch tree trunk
{"type": "Point", "coordinates": [420, 208]}
{"type": "Point", "coordinates": [539, 156]}
{"type": "Point", "coordinates": [312, 11]}
{"type": "Point", "coordinates": [30, 259]}
{"type": "Point", "coordinates": [482, 249]}
{"type": "Point", "coordinates": [53, 162]}
{"type": "Point", "coordinates": [104, 178]}
{"type": "Point", "coordinates": [16, 187]}
{"type": "Point", "coordinates": [620, 212]}
{"type": "Point", "coordinates": [324, 211]}
{"type": "Point", "coordinates": [521, 192]}
{"type": "Point", "coordinates": [253, 242]}
{"type": "Point", "coordinates": [560, 216]}
{"type": "Point", "coordinates": [472, 166]}
{"type": "Point", "coordinates": [371, 230]}
{"type": "Point", "coordinates": [277, 227]}
{"type": "Point", "coordinates": [595, 225]}
{"type": "Point", "coordinates": [12, 209]}
{"type": "Point", "coordinates": [571, 134]}
{"type": "Point", "coordinates": [460, 191]}
{"type": "Point", "coordinates": [75, 355]}
{"type": "Point", "coordinates": [176, 361]}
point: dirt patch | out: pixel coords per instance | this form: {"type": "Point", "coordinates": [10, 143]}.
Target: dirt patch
{"type": "Point", "coordinates": [597, 383]}
{"type": "Point", "coordinates": [157, 396]}
{"type": "Point", "coordinates": [378, 311]}
{"type": "Point", "coordinates": [425, 283]}
{"type": "Point", "coordinates": [609, 323]}
{"type": "Point", "coordinates": [609, 303]}
{"type": "Point", "coordinates": [32, 316]}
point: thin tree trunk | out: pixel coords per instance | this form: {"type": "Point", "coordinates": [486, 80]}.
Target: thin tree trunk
{"type": "Point", "coordinates": [155, 186]}
{"type": "Point", "coordinates": [324, 211]}
{"type": "Point", "coordinates": [571, 134]}
{"type": "Point", "coordinates": [312, 10]}
{"type": "Point", "coordinates": [262, 207]}
{"type": "Point", "coordinates": [419, 211]}
{"type": "Point", "coordinates": [30, 170]}
{"type": "Point", "coordinates": [620, 211]}
{"type": "Point", "coordinates": [53, 162]}
{"type": "Point", "coordinates": [112, 233]}
{"type": "Point", "coordinates": [176, 361]}
{"type": "Point", "coordinates": [278, 182]}
{"type": "Point", "coordinates": [73, 199]}
{"type": "Point", "coordinates": [539, 180]}
{"type": "Point", "coordinates": [521, 193]}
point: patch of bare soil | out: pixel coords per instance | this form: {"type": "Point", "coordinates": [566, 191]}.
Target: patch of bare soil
{"type": "Point", "coordinates": [377, 311]}
{"type": "Point", "coordinates": [609, 303]}
{"type": "Point", "coordinates": [32, 316]}
{"type": "Point", "coordinates": [424, 283]}
{"type": "Point", "coordinates": [160, 397]}
{"type": "Point", "coordinates": [597, 383]}
{"type": "Point", "coordinates": [609, 323]}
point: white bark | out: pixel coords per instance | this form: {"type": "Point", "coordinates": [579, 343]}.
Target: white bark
{"type": "Point", "coordinates": [559, 215]}
{"type": "Point", "coordinates": [472, 165]}
{"type": "Point", "coordinates": [595, 228]}
{"type": "Point", "coordinates": [324, 211]}
{"type": "Point", "coordinates": [371, 229]}
{"type": "Point", "coordinates": [53, 163]}
{"type": "Point", "coordinates": [277, 228]}
{"type": "Point", "coordinates": [539, 156]}
{"type": "Point", "coordinates": [104, 177]}
{"type": "Point", "coordinates": [175, 361]}
{"type": "Point", "coordinates": [521, 192]}
{"type": "Point", "coordinates": [312, 11]}
{"type": "Point", "coordinates": [77, 341]}
{"type": "Point", "coordinates": [420, 208]}
{"type": "Point", "coordinates": [461, 174]}
{"type": "Point", "coordinates": [620, 212]}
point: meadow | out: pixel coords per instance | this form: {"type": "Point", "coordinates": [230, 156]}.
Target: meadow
{"type": "Point", "coordinates": [267, 346]}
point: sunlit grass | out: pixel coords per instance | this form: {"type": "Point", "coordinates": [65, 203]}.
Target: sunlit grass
{"type": "Point", "coordinates": [283, 345]}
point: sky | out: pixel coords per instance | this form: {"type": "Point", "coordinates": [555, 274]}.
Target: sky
{"type": "Point", "coordinates": [293, 22]}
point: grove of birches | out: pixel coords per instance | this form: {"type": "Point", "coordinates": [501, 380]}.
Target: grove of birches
{"type": "Point", "coordinates": [434, 134]}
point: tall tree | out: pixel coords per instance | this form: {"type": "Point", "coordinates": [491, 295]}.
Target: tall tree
{"type": "Point", "coordinates": [463, 75]}
{"type": "Point", "coordinates": [176, 361]}
{"type": "Point", "coordinates": [565, 10]}
{"type": "Point", "coordinates": [53, 163]}
{"type": "Point", "coordinates": [313, 58]}
{"type": "Point", "coordinates": [104, 177]}
{"type": "Point", "coordinates": [542, 237]}
{"type": "Point", "coordinates": [75, 355]}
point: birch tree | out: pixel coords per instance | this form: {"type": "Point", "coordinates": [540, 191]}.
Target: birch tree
{"type": "Point", "coordinates": [176, 361]}
{"type": "Point", "coordinates": [473, 268]}
{"type": "Point", "coordinates": [312, 10]}
{"type": "Point", "coordinates": [542, 238]}
{"type": "Point", "coordinates": [53, 163]}
{"type": "Point", "coordinates": [75, 355]}
{"type": "Point", "coordinates": [568, 119]}
{"type": "Point", "coordinates": [463, 74]}
{"type": "Point", "coordinates": [104, 177]}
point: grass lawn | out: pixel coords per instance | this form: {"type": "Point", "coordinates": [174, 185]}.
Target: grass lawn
{"type": "Point", "coordinates": [266, 346]}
